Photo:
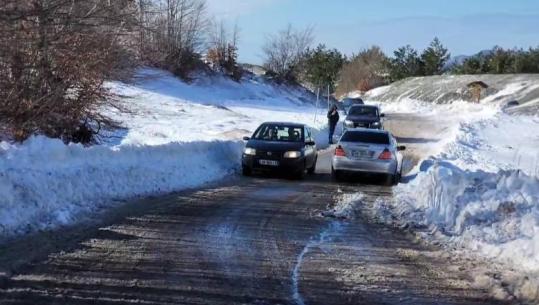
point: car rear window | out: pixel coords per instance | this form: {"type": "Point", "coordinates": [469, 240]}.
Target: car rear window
{"type": "Point", "coordinates": [366, 137]}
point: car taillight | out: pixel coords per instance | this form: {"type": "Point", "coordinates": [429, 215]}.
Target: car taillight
{"type": "Point", "coordinates": [339, 152]}
{"type": "Point", "coordinates": [385, 155]}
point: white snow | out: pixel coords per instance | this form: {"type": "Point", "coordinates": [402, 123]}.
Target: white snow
{"type": "Point", "coordinates": [164, 109]}
{"type": "Point", "coordinates": [176, 136]}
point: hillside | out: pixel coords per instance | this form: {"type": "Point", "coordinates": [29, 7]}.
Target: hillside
{"type": "Point", "coordinates": [444, 89]}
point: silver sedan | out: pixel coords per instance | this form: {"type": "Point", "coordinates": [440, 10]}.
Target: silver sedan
{"type": "Point", "coordinates": [368, 151]}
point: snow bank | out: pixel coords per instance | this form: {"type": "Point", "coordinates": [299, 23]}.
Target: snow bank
{"type": "Point", "coordinates": [496, 214]}
{"type": "Point", "coordinates": [480, 194]}
{"type": "Point", "coordinates": [44, 183]}
{"type": "Point", "coordinates": [476, 187]}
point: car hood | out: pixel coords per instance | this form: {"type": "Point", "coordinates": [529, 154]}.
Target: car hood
{"type": "Point", "coordinates": [275, 145]}
{"type": "Point", "coordinates": [362, 119]}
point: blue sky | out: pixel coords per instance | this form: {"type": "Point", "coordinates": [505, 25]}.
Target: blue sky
{"type": "Point", "coordinates": [464, 26]}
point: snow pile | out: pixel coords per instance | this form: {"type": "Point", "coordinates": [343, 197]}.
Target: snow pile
{"type": "Point", "coordinates": [176, 136]}
{"type": "Point", "coordinates": [476, 186]}
{"type": "Point", "coordinates": [504, 142]}
{"type": "Point", "coordinates": [45, 183]}
{"type": "Point", "coordinates": [484, 190]}
{"type": "Point", "coordinates": [345, 207]}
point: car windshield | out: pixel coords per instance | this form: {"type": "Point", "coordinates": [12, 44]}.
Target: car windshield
{"type": "Point", "coordinates": [283, 133]}
{"type": "Point", "coordinates": [366, 137]}
{"type": "Point", "coordinates": [368, 111]}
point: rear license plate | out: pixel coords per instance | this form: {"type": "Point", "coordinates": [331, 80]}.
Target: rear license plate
{"type": "Point", "coordinates": [362, 154]}
{"type": "Point", "coordinates": [269, 162]}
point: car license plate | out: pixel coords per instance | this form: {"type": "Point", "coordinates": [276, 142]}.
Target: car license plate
{"type": "Point", "coordinates": [269, 162]}
{"type": "Point", "coordinates": [361, 154]}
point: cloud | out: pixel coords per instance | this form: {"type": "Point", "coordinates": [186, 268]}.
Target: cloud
{"type": "Point", "coordinates": [230, 9]}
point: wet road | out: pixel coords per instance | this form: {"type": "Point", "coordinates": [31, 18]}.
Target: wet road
{"type": "Point", "coordinates": [249, 241]}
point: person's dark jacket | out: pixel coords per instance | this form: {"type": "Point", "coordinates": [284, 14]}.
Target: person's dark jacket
{"type": "Point", "coordinates": [333, 116]}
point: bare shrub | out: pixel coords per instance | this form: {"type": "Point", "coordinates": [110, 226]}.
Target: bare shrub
{"type": "Point", "coordinates": [54, 58]}
{"type": "Point", "coordinates": [172, 34]}
{"type": "Point", "coordinates": [365, 71]}
{"type": "Point", "coordinates": [222, 54]}
{"type": "Point", "coordinates": [284, 52]}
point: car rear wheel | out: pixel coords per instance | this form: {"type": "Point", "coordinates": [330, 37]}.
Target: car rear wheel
{"type": "Point", "coordinates": [335, 175]}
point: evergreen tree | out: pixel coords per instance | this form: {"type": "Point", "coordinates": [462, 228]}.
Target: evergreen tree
{"type": "Point", "coordinates": [434, 58]}
{"type": "Point", "coordinates": [406, 63]}
{"type": "Point", "coordinates": [322, 66]}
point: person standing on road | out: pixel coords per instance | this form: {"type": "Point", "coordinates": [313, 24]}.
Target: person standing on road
{"type": "Point", "coordinates": [333, 119]}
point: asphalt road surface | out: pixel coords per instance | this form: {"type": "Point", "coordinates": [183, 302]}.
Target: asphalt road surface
{"type": "Point", "coordinates": [262, 240]}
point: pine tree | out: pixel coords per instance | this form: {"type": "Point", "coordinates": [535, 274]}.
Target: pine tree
{"type": "Point", "coordinates": [322, 66]}
{"type": "Point", "coordinates": [434, 58]}
{"type": "Point", "coordinates": [406, 63]}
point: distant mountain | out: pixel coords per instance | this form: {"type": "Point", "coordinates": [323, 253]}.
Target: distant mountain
{"type": "Point", "coordinates": [458, 60]}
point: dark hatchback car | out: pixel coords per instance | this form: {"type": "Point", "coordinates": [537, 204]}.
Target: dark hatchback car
{"type": "Point", "coordinates": [364, 116]}
{"type": "Point", "coordinates": [282, 147]}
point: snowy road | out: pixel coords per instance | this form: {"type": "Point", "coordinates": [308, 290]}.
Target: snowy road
{"type": "Point", "coordinates": [249, 241]}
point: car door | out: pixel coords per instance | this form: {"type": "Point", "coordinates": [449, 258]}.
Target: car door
{"type": "Point", "coordinates": [310, 150]}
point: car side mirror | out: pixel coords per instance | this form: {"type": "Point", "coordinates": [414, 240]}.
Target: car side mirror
{"type": "Point", "coordinates": [246, 138]}
{"type": "Point", "coordinates": [401, 148]}
{"type": "Point", "coordinates": [310, 143]}
{"type": "Point", "coordinates": [382, 115]}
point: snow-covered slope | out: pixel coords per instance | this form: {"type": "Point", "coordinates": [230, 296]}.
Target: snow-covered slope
{"type": "Point", "coordinates": [176, 136]}
{"type": "Point", "coordinates": [523, 88]}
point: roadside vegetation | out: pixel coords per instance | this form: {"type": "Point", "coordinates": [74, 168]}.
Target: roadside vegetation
{"type": "Point", "coordinates": [55, 56]}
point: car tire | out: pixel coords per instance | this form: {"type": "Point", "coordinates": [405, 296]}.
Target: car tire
{"type": "Point", "coordinates": [335, 175]}
{"type": "Point", "coordinates": [312, 169]}
{"type": "Point", "coordinates": [389, 180]}
{"type": "Point", "coordinates": [397, 179]}
{"type": "Point", "coordinates": [246, 171]}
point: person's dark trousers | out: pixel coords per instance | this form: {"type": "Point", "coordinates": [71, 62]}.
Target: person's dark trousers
{"type": "Point", "coordinates": [331, 132]}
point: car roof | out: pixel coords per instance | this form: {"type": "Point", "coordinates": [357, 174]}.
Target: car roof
{"type": "Point", "coordinates": [284, 124]}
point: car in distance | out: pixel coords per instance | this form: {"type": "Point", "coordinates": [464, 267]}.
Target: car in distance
{"type": "Point", "coordinates": [349, 102]}
{"type": "Point", "coordinates": [279, 146]}
{"type": "Point", "coordinates": [368, 151]}
{"type": "Point", "coordinates": [364, 116]}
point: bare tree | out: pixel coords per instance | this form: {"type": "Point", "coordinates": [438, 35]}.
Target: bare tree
{"type": "Point", "coordinates": [366, 70]}
{"type": "Point", "coordinates": [54, 58]}
{"type": "Point", "coordinates": [222, 54]}
{"type": "Point", "coordinates": [172, 33]}
{"type": "Point", "coordinates": [285, 51]}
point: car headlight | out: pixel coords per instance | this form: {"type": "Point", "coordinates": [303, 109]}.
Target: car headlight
{"type": "Point", "coordinates": [249, 151]}
{"type": "Point", "coordinates": [292, 154]}
{"type": "Point", "coordinates": [348, 123]}
{"type": "Point", "coordinates": [376, 124]}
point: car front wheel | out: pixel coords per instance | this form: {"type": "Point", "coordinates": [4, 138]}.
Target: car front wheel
{"type": "Point", "coordinates": [312, 169]}
{"type": "Point", "coordinates": [246, 171]}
